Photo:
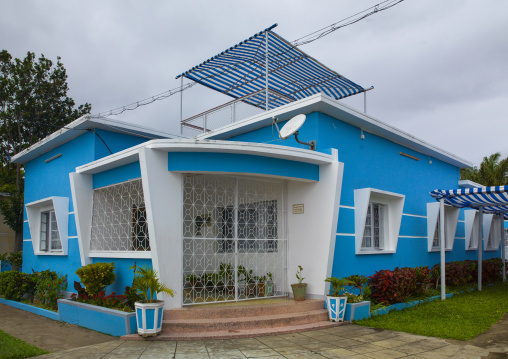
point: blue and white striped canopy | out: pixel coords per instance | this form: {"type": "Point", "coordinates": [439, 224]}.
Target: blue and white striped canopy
{"type": "Point", "coordinates": [292, 74]}
{"type": "Point", "coordinates": [492, 199]}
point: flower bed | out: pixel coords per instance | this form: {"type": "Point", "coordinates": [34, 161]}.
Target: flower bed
{"type": "Point", "coordinates": [104, 320]}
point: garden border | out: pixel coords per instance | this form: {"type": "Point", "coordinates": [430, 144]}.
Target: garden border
{"type": "Point", "coordinates": [400, 306]}
{"type": "Point", "coordinates": [104, 320]}
{"type": "Point", "coordinates": [30, 308]}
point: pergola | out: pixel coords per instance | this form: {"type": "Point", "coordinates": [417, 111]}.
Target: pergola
{"type": "Point", "coordinates": [493, 200]}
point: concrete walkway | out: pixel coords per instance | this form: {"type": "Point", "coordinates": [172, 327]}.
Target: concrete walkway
{"type": "Point", "coordinates": [348, 341]}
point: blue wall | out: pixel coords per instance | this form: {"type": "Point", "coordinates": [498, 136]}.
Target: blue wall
{"type": "Point", "coordinates": [124, 275]}
{"type": "Point", "coordinates": [44, 180]}
{"type": "Point", "coordinates": [240, 163]}
{"type": "Point", "coordinates": [375, 162]}
{"type": "Point", "coordinates": [117, 175]}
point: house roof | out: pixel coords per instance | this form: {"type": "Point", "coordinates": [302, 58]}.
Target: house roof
{"type": "Point", "coordinates": [334, 108]}
{"type": "Point", "coordinates": [292, 74]}
{"type": "Point", "coordinates": [82, 124]}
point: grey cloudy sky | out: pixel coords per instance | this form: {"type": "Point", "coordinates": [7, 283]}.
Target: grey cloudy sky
{"type": "Point", "coordinates": [439, 68]}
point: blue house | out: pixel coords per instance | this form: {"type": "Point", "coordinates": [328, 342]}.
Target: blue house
{"type": "Point", "coordinates": [228, 210]}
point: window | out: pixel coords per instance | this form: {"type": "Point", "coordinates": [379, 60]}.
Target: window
{"type": "Point", "coordinates": [48, 220]}
{"type": "Point", "coordinates": [374, 227]}
{"type": "Point", "coordinates": [49, 238]}
{"type": "Point", "coordinates": [378, 215]}
{"type": "Point", "coordinates": [471, 229]}
{"type": "Point", "coordinates": [436, 241]}
{"type": "Point", "coordinates": [451, 215]}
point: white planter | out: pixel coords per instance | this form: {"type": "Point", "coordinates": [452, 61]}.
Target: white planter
{"type": "Point", "coordinates": [336, 308]}
{"type": "Point", "coordinates": [149, 317]}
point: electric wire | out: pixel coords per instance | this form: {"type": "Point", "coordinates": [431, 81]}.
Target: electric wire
{"type": "Point", "coordinates": [304, 40]}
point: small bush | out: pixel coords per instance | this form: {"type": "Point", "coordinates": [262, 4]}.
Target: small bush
{"type": "Point", "coordinates": [465, 273]}
{"type": "Point", "coordinates": [49, 287]}
{"type": "Point", "coordinates": [13, 284]}
{"type": "Point", "coordinates": [97, 276]}
{"type": "Point", "coordinates": [399, 285]}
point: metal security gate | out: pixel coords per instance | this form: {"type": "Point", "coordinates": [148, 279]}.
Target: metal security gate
{"type": "Point", "coordinates": [234, 244]}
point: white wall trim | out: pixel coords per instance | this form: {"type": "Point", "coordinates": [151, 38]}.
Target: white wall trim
{"type": "Point", "coordinates": [414, 215]}
{"type": "Point", "coordinates": [347, 207]}
{"type": "Point", "coordinates": [345, 234]}
{"type": "Point", "coordinates": [123, 254]}
{"type": "Point", "coordinates": [412, 236]}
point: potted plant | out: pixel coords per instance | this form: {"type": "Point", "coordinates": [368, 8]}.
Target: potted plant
{"type": "Point", "coordinates": [261, 284]}
{"type": "Point", "coordinates": [300, 288]}
{"type": "Point", "coordinates": [269, 285]}
{"type": "Point", "coordinates": [336, 303]}
{"type": "Point", "coordinates": [149, 311]}
{"type": "Point", "coordinates": [357, 308]}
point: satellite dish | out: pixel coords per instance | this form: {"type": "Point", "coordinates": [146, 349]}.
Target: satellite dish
{"type": "Point", "coordinates": [292, 126]}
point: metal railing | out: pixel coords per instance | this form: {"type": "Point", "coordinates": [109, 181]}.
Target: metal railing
{"type": "Point", "coordinates": [230, 112]}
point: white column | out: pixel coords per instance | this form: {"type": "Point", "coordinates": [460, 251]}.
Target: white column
{"type": "Point", "coordinates": [82, 199]}
{"type": "Point", "coordinates": [442, 244]}
{"type": "Point", "coordinates": [503, 253]}
{"type": "Point", "coordinates": [181, 105]}
{"type": "Point", "coordinates": [162, 190]}
{"type": "Point", "coordinates": [480, 247]}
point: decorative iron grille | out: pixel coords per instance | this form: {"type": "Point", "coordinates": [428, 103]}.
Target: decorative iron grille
{"type": "Point", "coordinates": [234, 244]}
{"type": "Point", "coordinates": [119, 218]}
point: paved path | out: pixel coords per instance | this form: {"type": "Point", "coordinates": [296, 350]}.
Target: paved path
{"type": "Point", "coordinates": [348, 341]}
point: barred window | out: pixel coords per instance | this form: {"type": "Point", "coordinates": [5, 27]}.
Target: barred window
{"type": "Point", "coordinates": [374, 227]}
{"type": "Point", "coordinates": [119, 221]}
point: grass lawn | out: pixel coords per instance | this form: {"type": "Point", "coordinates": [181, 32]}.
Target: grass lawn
{"type": "Point", "coordinates": [461, 317]}
{"type": "Point", "coordinates": [13, 348]}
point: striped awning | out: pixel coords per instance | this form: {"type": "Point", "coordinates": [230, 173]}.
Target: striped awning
{"type": "Point", "coordinates": [292, 74]}
{"type": "Point", "coordinates": [493, 199]}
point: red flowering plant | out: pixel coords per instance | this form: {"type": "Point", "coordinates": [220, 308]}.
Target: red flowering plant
{"type": "Point", "coordinates": [49, 288]}
{"type": "Point", "coordinates": [112, 301]}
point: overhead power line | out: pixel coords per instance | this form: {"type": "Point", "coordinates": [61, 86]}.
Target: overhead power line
{"type": "Point", "coordinates": [304, 40]}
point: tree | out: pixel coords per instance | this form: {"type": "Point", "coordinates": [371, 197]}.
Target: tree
{"type": "Point", "coordinates": [492, 171]}
{"type": "Point", "coordinates": [33, 104]}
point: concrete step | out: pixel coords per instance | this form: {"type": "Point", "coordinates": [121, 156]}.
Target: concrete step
{"type": "Point", "coordinates": [243, 322]}
{"type": "Point", "coordinates": [232, 334]}
{"type": "Point", "coordinates": [235, 310]}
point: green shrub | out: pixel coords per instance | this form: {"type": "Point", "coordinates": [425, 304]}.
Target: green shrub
{"type": "Point", "coordinates": [49, 287]}
{"type": "Point", "coordinates": [13, 284]}
{"type": "Point", "coordinates": [97, 276]}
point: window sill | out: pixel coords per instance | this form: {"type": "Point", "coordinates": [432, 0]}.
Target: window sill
{"type": "Point", "coordinates": [437, 250]}
{"type": "Point", "coordinates": [490, 249]}
{"type": "Point", "coordinates": [125, 254]}
{"type": "Point", "coordinates": [50, 254]}
{"type": "Point", "coordinates": [377, 251]}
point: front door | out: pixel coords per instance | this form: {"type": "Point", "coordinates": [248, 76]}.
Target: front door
{"type": "Point", "coordinates": [234, 245]}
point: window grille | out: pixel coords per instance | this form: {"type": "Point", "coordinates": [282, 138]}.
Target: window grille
{"type": "Point", "coordinates": [374, 227]}
{"type": "Point", "coordinates": [119, 220]}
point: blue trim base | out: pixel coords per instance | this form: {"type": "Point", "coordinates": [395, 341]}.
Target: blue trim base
{"type": "Point", "coordinates": [30, 308]}
{"type": "Point", "coordinates": [104, 320]}
{"type": "Point", "coordinates": [357, 311]}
